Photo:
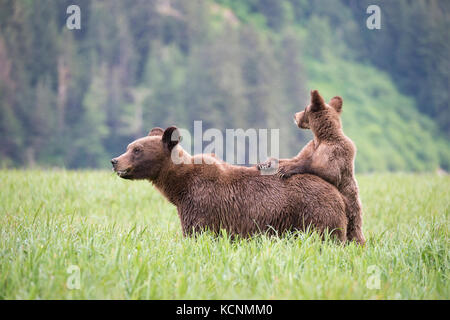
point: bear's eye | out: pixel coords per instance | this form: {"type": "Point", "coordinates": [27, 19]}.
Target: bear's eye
{"type": "Point", "coordinates": [136, 150]}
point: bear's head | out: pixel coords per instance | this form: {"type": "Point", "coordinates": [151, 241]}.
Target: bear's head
{"type": "Point", "coordinates": [146, 156]}
{"type": "Point", "coordinates": [318, 113]}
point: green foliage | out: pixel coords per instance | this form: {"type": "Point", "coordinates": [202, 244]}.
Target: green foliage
{"type": "Point", "coordinates": [388, 130]}
{"type": "Point", "coordinates": [127, 241]}
{"type": "Point", "coordinates": [77, 98]}
{"type": "Point", "coordinates": [165, 76]}
{"type": "Point", "coordinates": [93, 129]}
{"type": "Point", "coordinates": [413, 45]}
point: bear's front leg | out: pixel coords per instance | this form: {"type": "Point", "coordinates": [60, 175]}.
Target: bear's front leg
{"type": "Point", "coordinates": [289, 169]}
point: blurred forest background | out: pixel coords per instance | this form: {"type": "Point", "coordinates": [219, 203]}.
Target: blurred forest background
{"type": "Point", "coordinates": [76, 98]}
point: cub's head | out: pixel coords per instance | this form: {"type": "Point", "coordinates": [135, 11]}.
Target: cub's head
{"type": "Point", "coordinates": [319, 112]}
{"type": "Point", "coordinates": [146, 156]}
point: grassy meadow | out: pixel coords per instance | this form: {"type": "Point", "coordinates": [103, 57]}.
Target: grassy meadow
{"type": "Point", "coordinates": [123, 240]}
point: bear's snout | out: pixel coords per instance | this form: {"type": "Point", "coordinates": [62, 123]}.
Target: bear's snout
{"type": "Point", "coordinates": [298, 118]}
{"type": "Point", "coordinates": [301, 120]}
{"type": "Point", "coordinates": [121, 168]}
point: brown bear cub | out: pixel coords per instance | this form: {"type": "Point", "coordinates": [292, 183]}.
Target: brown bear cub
{"type": "Point", "coordinates": [330, 155]}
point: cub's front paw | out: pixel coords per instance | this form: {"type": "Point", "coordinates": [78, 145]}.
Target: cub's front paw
{"type": "Point", "coordinates": [285, 172]}
{"type": "Point", "coordinates": [264, 166]}
{"type": "Point", "coordinates": [269, 167]}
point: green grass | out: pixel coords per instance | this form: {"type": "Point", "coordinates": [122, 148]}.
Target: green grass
{"type": "Point", "coordinates": [126, 239]}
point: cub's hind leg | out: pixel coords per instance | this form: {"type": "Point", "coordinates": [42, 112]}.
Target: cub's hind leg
{"type": "Point", "coordinates": [354, 215]}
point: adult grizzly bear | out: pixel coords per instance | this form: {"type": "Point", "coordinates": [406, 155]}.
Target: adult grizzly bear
{"type": "Point", "coordinates": [215, 195]}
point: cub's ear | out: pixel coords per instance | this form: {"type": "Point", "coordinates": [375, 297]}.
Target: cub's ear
{"type": "Point", "coordinates": [171, 137]}
{"type": "Point", "coordinates": [336, 103]}
{"type": "Point", "coordinates": [156, 131]}
{"type": "Point", "coordinates": [317, 102]}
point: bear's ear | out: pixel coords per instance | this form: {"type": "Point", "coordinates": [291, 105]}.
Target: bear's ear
{"type": "Point", "coordinates": [156, 131]}
{"type": "Point", "coordinates": [336, 103]}
{"type": "Point", "coordinates": [317, 102]}
{"type": "Point", "coordinates": [171, 137]}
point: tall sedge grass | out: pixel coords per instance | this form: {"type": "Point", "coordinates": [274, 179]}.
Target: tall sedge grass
{"type": "Point", "coordinates": [125, 239]}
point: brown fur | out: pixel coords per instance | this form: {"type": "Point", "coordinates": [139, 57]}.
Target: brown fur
{"type": "Point", "coordinates": [330, 155]}
{"type": "Point", "coordinates": [235, 198]}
